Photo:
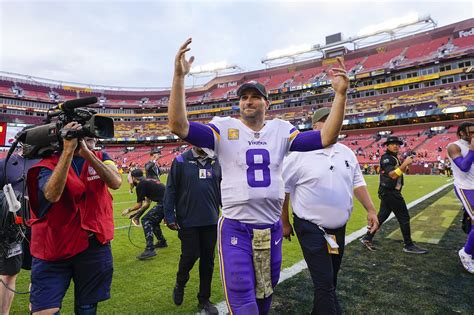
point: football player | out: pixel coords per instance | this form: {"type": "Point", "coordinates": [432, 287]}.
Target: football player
{"type": "Point", "coordinates": [251, 151]}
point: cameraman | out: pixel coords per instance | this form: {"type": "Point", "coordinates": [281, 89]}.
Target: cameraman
{"type": "Point", "coordinates": [72, 226]}
{"type": "Point", "coordinates": [12, 260]}
{"type": "Point", "coordinates": [390, 194]}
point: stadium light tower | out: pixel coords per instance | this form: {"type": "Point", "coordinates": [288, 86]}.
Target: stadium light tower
{"type": "Point", "coordinates": [293, 52]}
{"type": "Point", "coordinates": [408, 24]}
{"type": "Point", "coordinates": [213, 69]}
{"type": "Point", "coordinates": [393, 26]}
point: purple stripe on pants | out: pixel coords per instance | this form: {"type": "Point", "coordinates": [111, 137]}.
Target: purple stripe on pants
{"type": "Point", "coordinates": [236, 265]}
{"type": "Point", "coordinates": [466, 196]}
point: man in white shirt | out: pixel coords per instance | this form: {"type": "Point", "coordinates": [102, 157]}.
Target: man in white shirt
{"type": "Point", "coordinates": [320, 185]}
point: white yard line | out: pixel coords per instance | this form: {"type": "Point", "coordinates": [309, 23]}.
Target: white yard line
{"type": "Point", "coordinates": [124, 202]}
{"type": "Point", "coordinates": [301, 265]}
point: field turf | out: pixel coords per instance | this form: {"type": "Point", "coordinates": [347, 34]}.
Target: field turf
{"type": "Point", "coordinates": [389, 281]}
{"type": "Point", "coordinates": [145, 287]}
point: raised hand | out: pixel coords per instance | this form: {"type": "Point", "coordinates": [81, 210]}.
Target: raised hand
{"type": "Point", "coordinates": [181, 65]}
{"type": "Point", "coordinates": [339, 78]}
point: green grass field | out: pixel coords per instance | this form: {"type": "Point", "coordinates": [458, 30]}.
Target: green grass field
{"type": "Point", "coordinates": [145, 287]}
{"type": "Point", "coordinates": [389, 281]}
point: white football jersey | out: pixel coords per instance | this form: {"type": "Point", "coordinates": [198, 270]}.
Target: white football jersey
{"type": "Point", "coordinates": [252, 185]}
{"type": "Point", "coordinates": [463, 180]}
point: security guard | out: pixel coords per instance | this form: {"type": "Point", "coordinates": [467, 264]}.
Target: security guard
{"type": "Point", "coordinates": [391, 199]}
{"type": "Point", "coordinates": [191, 203]}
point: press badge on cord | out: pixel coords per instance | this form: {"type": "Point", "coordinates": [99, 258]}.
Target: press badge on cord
{"type": "Point", "coordinates": [333, 248]}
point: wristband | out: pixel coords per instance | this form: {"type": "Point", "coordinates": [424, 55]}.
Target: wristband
{"type": "Point", "coordinates": [398, 171]}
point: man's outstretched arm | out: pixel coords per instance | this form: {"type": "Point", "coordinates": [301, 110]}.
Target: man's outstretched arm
{"type": "Point", "coordinates": [340, 83]}
{"type": "Point", "coordinates": [177, 116]}
{"type": "Point", "coordinates": [315, 139]}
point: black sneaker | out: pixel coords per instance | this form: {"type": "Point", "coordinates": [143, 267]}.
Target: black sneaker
{"type": "Point", "coordinates": [208, 308]}
{"type": "Point", "coordinates": [413, 249]}
{"type": "Point", "coordinates": [368, 243]}
{"type": "Point", "coordinates": [178, 295]}
{"type": "Point", "coordinates": [160, 244]}
{"type": "Point", "coordinates": [148, 253]}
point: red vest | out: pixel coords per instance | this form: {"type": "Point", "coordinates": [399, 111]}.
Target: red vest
{"type": "Point", "coordinates": [84, 207]}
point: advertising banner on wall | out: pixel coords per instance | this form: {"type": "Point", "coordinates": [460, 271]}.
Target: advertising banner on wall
{"type": "Point", "coordinates": [3, 133]}
{"type": "Point", "coordinates": [12, 130]}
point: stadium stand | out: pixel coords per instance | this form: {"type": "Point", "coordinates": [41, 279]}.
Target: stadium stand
{"type": "Point", "coordinates": [405, 86]}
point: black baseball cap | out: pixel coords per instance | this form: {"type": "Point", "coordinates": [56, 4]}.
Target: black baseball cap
{"type": "Point", "coordinates": [137, 173]}
{"type": "Point", "coordinates": [393, 139]}
{"type": "Point", "coordinates": [260, 88]}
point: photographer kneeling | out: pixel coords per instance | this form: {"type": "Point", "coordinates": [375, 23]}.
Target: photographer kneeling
{"type": "Point", "coordinates": [72, 226]}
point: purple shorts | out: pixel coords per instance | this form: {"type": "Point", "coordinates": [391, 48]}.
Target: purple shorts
{"type": "Point", "coordinates": [236, 265]}
{"type": "Point", "coordinates": [466, 196]}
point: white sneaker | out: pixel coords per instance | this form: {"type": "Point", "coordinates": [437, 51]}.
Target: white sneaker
{"type": "Point", "coordinates": [466, 261]}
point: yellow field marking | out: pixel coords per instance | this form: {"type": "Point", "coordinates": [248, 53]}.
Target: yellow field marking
{"type": "Point", "coordinates": [430, 225]}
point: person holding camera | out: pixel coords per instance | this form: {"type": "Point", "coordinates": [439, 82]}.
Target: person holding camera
{"type": "Point", "coordinates": [390, 194]}
{"type": "Point", "coordinates": [461, 153]}
{"type": "Point", "coordinates": [72, 225]}
{"type": "Point", "coordinates": [14, 253]}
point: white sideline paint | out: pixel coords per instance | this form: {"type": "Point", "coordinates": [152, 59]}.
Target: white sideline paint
{"type": "Point", "coordinates": [301, 265]}
{"type": "Point", "coordinates": [124, 202]}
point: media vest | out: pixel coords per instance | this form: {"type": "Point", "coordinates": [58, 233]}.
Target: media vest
{"type": "Point", "coordinates": [85, 207]}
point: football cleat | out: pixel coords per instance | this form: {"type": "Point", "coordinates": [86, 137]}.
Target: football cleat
{"type": "Point", "coordinates": [466, 261]}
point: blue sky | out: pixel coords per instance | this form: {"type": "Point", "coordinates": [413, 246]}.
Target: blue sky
{"type": "Point", "coordinates": [132, 44]}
